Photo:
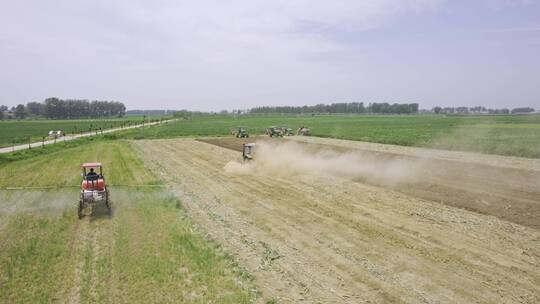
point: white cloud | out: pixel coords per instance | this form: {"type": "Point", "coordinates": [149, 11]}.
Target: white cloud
{"type": "Point", "coordinates": [210, 51]}
{"type": "Point", "coordinates": [525, 29]}
{"type": "Point", "coordinates": [206, 54]}
{"type": "Point", "coordinates": [504, 4]}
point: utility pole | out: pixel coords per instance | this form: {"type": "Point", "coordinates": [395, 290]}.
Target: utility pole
{"type": "Point", "coordinates": [144, 117]}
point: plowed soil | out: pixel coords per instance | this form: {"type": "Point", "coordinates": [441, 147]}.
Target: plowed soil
{"type": "Point", "coordinates": [327, 239]}
{"type": "Point", "coordinates": [505, 187]}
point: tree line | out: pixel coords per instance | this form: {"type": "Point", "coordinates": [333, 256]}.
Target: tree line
{"type": "Point", "coordinates": [56, 108]}
{"type": "Point", "coordinates": [480, 110]}
{"type": "Point", "coordinates": [150, 112]}
{"type": "Point", "coordinates": [341, 108]}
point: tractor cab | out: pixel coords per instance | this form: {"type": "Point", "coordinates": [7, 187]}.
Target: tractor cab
{"type": "Point", "coordinates": [274, 131]}
{"type": "Point", "coordinates": [247, 151]}
{"type": "Point", "coordinates": [241, 132]}
{"type": "Point", "coordinates": [286, 131]}
{"type": "Point", "coordinates": [92, 172]}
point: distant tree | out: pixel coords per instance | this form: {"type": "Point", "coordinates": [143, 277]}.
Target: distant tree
{"type": "Point", "coordinates": [522, 110]}
{"type": "Point", "coordinates": [56, 108]}
{"type": "Point", "coordinates": [462, 110]}
{"type": "Point", "coordinates": [437, 110]}
{"type": "Point", "coordinates": [148, 112]}
{"type": "Point", "coordinates": [413, 107]}
{"type": "Point", "coordinates": [352, 107]}
{"type": "Point", "coordinates": [35, 108]}
{"type": "Point", "coordinates": [20, 111]}
{"type": "Point", "coordinates": [2, 109]}
{"type": "Point", "coordinates": [182, 114]}
{"type": "Point", "coordinates": [503, 111]}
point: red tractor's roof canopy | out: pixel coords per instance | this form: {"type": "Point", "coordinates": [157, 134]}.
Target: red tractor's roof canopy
{"type": "Point", "coordinates": [91, 165]}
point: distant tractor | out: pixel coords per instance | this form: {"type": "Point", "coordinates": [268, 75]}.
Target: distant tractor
{"type": "Point", "coordinates": [274, 132]}
{"type": "Point", "coordinates": [303, 131]}
{"type": "Point", "coordinates": [287, 131]}
{"type": "Point", "coordinates": [93, 188]}
{"type": "Point", "coordinates": [247, 151]}
{"type": "Point", "coordinates": [240, 132]}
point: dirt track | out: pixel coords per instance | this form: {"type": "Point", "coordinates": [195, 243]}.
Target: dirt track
{"type": "Point", "coordinates": [333, 240]}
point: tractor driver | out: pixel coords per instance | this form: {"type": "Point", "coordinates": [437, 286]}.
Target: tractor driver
{"type": "Point", "coordinates": [92, 174]}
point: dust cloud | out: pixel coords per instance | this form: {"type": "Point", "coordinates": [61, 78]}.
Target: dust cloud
{"type": "Point", "coordinates": [290, 158]}
{"type": "Point", "coordinates": [13, 201]}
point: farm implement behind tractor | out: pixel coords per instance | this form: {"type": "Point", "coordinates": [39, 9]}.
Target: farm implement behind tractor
{"type": "Point", "coordinates": [93, 188]}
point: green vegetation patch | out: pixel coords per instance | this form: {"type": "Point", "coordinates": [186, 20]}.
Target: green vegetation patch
{"type": "Point", "coordinates": [18, 131]}
{"type": "Point", "coordinates": [48, 149]}
{"type": "Point", "coordinates": [62, 167]}
{"type": "Point", "coordinates": [158, 259]}
{"type": "Point", "coordinates": [147, 252]}
{"type": "Point", "coordinates": [514, 135]}
{"type": "Point", "coordinates": [33, 253]}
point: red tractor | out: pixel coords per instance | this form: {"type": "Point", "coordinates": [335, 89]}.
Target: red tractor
{"type": "Point", "coordinates": [93, 188]}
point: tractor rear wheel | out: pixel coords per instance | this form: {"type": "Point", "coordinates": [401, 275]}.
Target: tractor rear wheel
{"type": "Point", "coordinates": [108, 202]}
{"type": "Point", "coordinates": [80, 210]}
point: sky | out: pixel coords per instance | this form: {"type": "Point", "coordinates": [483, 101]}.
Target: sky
{"type": "Point", "coordinates": [210, 55]}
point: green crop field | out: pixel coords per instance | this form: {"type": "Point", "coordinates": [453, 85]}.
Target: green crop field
{"type": "Point", "coordinates": [18, 131]}
{"type": "Point", "coordinates": [514, 135]}
{"type": "Point", "coordinates": [146, 252]}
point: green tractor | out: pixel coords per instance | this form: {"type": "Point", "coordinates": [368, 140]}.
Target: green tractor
{"type": "Point", "coordinates": [274, 132]}
{"type": "Point", "coordinates": [287, 131]}
{"type": "Point", "coordinates": [240, 132]}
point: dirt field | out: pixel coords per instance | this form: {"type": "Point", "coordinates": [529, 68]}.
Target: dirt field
{"type": "Point", "coordinates": [344, 233]}
{"type": "Point", "coordinates": [505, 187]}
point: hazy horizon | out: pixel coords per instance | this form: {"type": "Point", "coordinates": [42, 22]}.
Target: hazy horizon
{"type": "Point", "coordinates": [208, 55]}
